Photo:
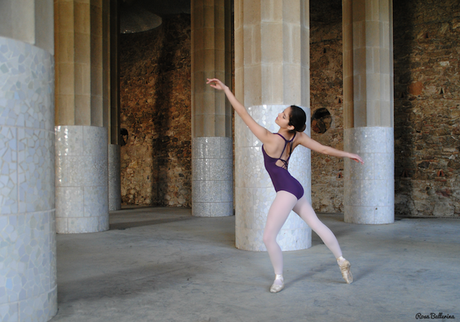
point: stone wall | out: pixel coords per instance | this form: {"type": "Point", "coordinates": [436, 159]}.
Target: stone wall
{"type": "Point", "coordinates": [155, 69]}
{"type": "Point", "coordinates": [326, 93]}
{"type": "Point", "coordinates": [427, 107]}
{"type": "Point", "coordinates": [155, 95]}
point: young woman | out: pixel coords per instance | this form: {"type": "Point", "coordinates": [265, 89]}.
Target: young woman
{"type": "Point", "coordinates": [276, 149]}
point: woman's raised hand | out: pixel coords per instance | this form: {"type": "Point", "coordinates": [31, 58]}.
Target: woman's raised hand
{"type": "Point", "coordinates": [215, 83]}
{"type": "Point", "coordinates": [357, 158]}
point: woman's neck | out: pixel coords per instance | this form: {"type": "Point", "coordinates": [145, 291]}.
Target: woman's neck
{"type": "Point", "coordinates": [286, 133]}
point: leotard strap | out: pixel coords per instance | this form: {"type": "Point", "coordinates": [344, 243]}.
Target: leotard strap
{"type": "Point", "coordinates": [284, 148]}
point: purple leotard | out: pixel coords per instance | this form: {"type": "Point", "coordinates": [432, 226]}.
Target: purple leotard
{"type": "Point", "coordinates": [281, 178]}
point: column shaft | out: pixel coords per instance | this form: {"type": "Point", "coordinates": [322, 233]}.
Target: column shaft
{"type": "Point", "coordinates": [368, 110]}
{"type": "Point", "coordinates": [114, 177]}
{"type": "Point", "coordinates": [212, 182]}
{"type": "Point", "coordinates": [80, 62]}
{"type": "Point", "coordinates": [112, 100]}
{"type": "Point", "coordinates": [28, 290]}
{"type": "Point", "coordinates": [212, 168]}
{"type": "Point", "coordinates": [369, 188]}
{"type": "Point", "coordinates": [82, 114]}
{"type": "Point", "coordinates": [368, 63]}
{"type": "Point", "coordinates": [271, 73]}
{"type": "Point", "coordinates": [81, 179]}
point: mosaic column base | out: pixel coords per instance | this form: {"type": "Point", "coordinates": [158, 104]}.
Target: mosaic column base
{"type": "Point", "coordinates": [28, 289]}
{"type": "Point", "coordinates": [212, 177]}
{"type": "Point", "coordinates": [254, 192]}
{"type": "Point", "coordinates": [81, 179]}
{"type": "Point", "coordinates": [369, 188]}
{"type": "Point", "coordinates": [114, 178]}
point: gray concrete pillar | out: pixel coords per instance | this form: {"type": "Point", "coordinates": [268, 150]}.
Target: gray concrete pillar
{"type": "Point", "coordinates": [212, 168]}
{"type": "Point", "coordinates": [368, 110]}
{"type": "Point", "coordinates": [272, 44]}
{"type": "Point", "coordinates": [28, 289]}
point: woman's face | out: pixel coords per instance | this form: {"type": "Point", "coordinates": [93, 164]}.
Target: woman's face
{"type": "Point", "coordinates": [283, 118]}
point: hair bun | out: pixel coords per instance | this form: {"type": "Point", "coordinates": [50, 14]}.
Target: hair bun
{"type": "Point", "coordinates": [298, 118]}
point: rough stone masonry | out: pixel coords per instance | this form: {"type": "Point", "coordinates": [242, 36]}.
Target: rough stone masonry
{"type": "Point", "coordinates": [155, 112]}
{"type": "Point", "coordinates": [155, 94]}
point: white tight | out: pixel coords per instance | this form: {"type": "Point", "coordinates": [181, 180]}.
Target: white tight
{"type": "Point", "coordinates": [279, 211]}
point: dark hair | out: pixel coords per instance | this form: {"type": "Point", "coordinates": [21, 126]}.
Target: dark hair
{"type": "Point", "coordinates": [298, 118]}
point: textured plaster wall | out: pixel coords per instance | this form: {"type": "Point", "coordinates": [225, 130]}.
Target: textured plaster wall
{"type": "Point", "coordinates": [156, 112]}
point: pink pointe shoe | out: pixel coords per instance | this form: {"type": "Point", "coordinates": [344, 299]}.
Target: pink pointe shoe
{"type": "Point", "coordinates": [345, 269]}
{"type": "Point", "coordinates": [278, 284]}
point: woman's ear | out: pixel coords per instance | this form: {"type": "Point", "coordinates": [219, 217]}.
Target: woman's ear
{"type": "Point", "coordinates": [291, 127]}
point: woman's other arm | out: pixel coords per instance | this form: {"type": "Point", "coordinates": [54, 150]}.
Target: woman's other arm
{"type": "Point", "coordinates": [308, 142]}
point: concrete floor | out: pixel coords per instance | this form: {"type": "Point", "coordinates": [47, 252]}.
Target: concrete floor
{"type": "Point", "coordinates": [161, 264]}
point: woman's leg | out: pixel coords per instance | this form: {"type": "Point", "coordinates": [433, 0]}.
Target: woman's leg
{"type": "Point", "coordinates": [277, 215]}
{"type": "Point", "coordinates": [306, 212]}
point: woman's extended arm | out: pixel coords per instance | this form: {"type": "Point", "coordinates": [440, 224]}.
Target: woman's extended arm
{"type": "Point", "coordinates": [308, 142]}
{"type": "Point", "coordinates": [259, 131]}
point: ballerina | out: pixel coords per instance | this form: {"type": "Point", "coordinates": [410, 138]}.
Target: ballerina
{"type": "Point", "coordinates": [277, 149]}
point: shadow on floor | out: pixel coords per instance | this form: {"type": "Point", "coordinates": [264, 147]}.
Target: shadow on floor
{"type": "Point", "coordinates": [131, 217]}
{"type": "Point", "coordinates": [141, 223]}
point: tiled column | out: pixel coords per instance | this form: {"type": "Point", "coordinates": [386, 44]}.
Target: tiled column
{"type": "Point", "coordinates": [254, 189]}
{"type": "Point", "coordinates": [82, 115]}
{"type": "Point", "coordinates": [81, 179]}
{"type": "Point", "coordinates": [27, 216]}
{"type": "Point", "coordinates": [212, 168]}
{"type": "Point", "coordinates": [368, 110]}
{"type": "Point", "coordinates": [271, 72]}
{"type": "Point", "coordinates": [369, 188]}
{"type": "Point", "coordinates": [212, 183]}
{"type": "Point", "coordinates": [114, 177]}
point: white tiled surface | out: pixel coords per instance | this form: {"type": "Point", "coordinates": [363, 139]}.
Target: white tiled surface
{"type": "Point", "coordinates": [254, 192]}
{"type": "Point", "coordinates": [369, 188]}
{"type": "Point", "coordinates": [27, 216]}
{"type": "Point", "coordinates": [114, 177]}
{"type": "Point", "coordinates": [212, 177]}
{"type": "Point", "coordinates": [82, 204]}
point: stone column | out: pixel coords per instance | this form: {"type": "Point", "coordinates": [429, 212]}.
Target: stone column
{"type": "Point", "coordinates": [114, 177]}
{"type": "Point", "coordinates": [368, 110]}
{"type": "Point", "coordinates": [81, 179]}
{"type": "Point", "coordinates": [212, 168]}
{"type": "Point", "coordinates": [271, 72]}
{"type": "Point", "coordinates": [112, 100]}
{"type": "Point", "coordinates": [81, 119]}
{"type": "Point", "coordinates": [28, 289]}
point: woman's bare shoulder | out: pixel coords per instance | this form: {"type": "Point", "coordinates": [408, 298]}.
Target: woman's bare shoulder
{"type": "Point", "coordinates": [300, 138]}
{"type": "Point", "coordinates": [274, 143]}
